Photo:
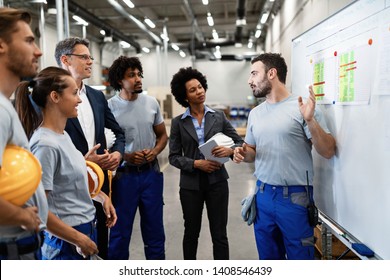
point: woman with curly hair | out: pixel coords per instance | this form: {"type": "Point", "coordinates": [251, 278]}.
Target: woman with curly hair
{"type": "Point", "coordinates": [202, 181]}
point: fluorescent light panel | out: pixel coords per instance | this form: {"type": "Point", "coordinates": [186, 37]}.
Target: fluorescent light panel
{"type": "Point", "coordinates": [124, 44]}
{"type": "Point", "coordinates": [210, 19]}
{"type": "Point", "coordinates": [80, 20]}
{"type": "Point", "coordinates": [264, 18]}
{"type": "Point", "coordinates": [182, 54]}
{"type": "Point", "coordinates": [129, 3]}
{"type": "Point", "coordinates": [215, 35]}
{"type": "Point", "coordinates": [164, 37]}
{"type": "Point", "coordinates": [175, 47]}
{"type": "Point", "coordinates": [217, 53]}
{"type": "Point", "coordinates": [150, 23]}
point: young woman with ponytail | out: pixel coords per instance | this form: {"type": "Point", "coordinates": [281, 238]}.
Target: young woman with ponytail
{"type": "Point", "coordinates": [71, 232]}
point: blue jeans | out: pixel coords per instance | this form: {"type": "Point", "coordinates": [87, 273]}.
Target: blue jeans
{"type": "Point", "coordinates": [281, 226]}
{"type": "Point", "coordinates": [141, 189]}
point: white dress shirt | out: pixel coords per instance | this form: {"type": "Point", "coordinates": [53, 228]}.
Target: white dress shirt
{"type": "Point", "coordinates": [86, 118]}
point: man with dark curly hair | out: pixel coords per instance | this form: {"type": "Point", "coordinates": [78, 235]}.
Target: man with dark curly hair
{"type": "Point", "coordinates": [202, 181]}
{"type": "Point", "coordinates": [139, 182]}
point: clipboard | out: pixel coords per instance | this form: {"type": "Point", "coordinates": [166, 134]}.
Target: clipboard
{"type": "Point", "coordinates": [206, 151]}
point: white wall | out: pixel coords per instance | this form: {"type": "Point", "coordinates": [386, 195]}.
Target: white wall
{"type": "Point", "coordinates": [296, 17]}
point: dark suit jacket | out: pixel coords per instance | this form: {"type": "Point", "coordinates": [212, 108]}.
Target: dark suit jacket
{"type": "Point", "coordinates": [103, 118]}
{"type": "Point", "coordinates": [183, 147]}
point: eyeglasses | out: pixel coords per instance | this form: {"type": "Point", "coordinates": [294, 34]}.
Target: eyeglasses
{"type": "Point", "coordinates": [82, 56]}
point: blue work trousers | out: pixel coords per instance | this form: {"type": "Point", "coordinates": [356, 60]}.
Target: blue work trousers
{"type": "Point", "coordinates": [281, 226]}
{"type": "Point", "coordinates": [142, 190]}
{"type": "Point", "coordinates": [54, 248]}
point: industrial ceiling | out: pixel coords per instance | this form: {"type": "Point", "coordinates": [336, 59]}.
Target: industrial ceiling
{"type": "Point", "coordinates": [185, 22]}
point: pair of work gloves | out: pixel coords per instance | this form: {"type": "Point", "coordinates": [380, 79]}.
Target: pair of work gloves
{"type": "Point", "coordinates": [248, 208]}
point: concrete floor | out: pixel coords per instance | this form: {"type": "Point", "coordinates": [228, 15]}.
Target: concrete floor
{"type": "Point", "coordinates": [240, 235]}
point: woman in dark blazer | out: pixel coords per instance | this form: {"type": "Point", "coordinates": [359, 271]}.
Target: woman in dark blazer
{"type": "Point", "coordinates": [201, 181]}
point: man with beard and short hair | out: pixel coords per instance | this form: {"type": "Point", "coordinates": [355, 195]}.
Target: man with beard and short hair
{"type": "Point", "coordinates": [280, 134]}
{"type": "Point", "coordinates": [139, 182]}
{"type": "Point", "coordinates": [18, 58]}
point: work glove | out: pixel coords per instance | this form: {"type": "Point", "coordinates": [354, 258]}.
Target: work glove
{"type": "Point", "coordinates": [248, 208]}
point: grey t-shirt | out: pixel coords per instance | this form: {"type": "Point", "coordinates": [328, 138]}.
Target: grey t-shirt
{"type": "Point", "coordinates": [11, 132]}
{"type": "Point", "coordinates": [282, 140]}
{"type": "Point", "coordinates": [137, 119]}
{"type": "Point", "coordinates": [64, 176]}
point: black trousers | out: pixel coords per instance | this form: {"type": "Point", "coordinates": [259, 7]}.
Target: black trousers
{"type": "Point", "coordinates": [216, 198]}
{"type": "Point", "coordinates": [102, 230]}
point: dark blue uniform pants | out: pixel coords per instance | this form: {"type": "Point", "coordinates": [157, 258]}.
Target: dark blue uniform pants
{"type": "Point", "coordinates": [143, 190]}
{"type": "Point", "coordinates": [281, 226]}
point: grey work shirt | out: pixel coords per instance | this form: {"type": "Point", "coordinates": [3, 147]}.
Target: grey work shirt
{"type": "Point", "coordinates": [12, 133]}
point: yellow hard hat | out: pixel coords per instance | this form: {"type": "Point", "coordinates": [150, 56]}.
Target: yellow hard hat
{"type": "Point", "coordinates": [95, 178]}
{"type": "Point", "coordinates": [20, 175]}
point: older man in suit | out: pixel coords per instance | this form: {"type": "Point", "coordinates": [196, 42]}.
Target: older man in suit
{"type": "Point", "coordinates": [87, 130]}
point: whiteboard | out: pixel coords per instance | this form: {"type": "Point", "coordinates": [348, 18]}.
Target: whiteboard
{"type": "Point", "coordinates": [347, 59]}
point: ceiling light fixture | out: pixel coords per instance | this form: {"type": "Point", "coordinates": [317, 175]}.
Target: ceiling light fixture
{"type": "Point", "coordinates": [258, 33]}
{"type": "Point", "coordinates": [145, 49]}
{"type": "Point", "coordinates": [217, 53]}
{"type": "Point", "coordinates": [241, 22]}
{"type": "Point", "coordinates": [80, 20]}
{"type": "Point", "coordinates": [124, 44]}
{"type": "Point", "coordinates": [103, 32]}
{"type": "Point", "coordinates": [149, 23]}
{"type": "Point", "coordinates": [175, 47]}
{"type": "Point", "coordinates": [182, 54]}
{"type": "Point", "coordinates": [210, 19]}
{"type": "Point", "coordinates": [205, 2]}
{"type": "Point", "coordinates": [264, 18]}
{"type": "Point", "coordinates": [215, 35]}
{"type": "Point", "coordinates": [129, 3]}
{"type": "Point", "coordinates": [52, 11]}
{"type": "Point", "coordinates": [164, 37]}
